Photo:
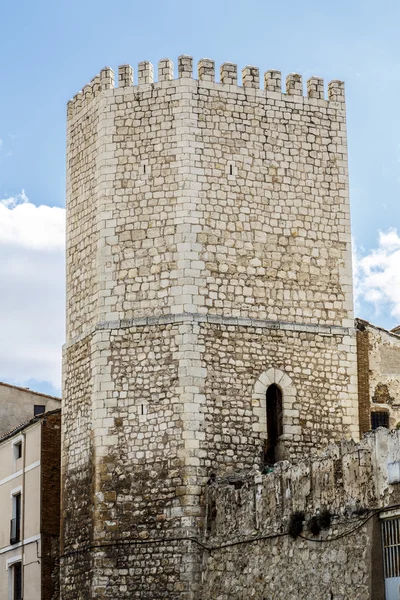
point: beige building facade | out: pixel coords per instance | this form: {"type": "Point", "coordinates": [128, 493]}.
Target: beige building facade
{"type": "Point", "coordinates": [19, 404]}
{"type": "Point", "coordinates": [29, 508]}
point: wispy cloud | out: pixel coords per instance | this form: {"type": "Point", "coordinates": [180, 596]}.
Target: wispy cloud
{"type": "Point", "coordinates": [32, 297]}
{"type": "Point", "coordinates": [377, 275]}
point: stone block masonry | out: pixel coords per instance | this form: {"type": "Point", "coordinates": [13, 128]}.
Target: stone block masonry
{"type": "Point", "coordinates": [208, 257]}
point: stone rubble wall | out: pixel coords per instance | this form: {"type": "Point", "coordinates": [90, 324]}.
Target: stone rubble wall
{"type": "Point", "coordinates": [343, 562]}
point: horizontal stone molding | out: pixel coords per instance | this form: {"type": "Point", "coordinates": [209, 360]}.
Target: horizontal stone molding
{"type": "Point", "coordinates": [320, 329]}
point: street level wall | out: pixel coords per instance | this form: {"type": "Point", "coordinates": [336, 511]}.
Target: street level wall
{"type": "Point", "coordinates": [252, 555]}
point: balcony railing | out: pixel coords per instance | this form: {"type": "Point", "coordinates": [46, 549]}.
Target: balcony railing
{"type": "Point", "coordinates": [15, 533]}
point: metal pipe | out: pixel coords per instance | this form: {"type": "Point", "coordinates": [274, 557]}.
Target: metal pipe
{"type": "Point", "coordinates": [23, 517]}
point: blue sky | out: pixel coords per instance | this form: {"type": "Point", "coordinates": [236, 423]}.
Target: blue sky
{"type": "Point", "coordinates": [51, 49]}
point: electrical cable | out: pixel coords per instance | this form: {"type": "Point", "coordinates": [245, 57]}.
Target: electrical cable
{"type": "Point", "coordinates": [119, 543]}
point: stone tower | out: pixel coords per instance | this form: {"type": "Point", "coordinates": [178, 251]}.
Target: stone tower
{"type": "Point", "coordinates": [208, 285]}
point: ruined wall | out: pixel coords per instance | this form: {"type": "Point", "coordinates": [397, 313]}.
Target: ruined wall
{"type": "Point", "coordinates": [378, 358]}
{"type": "Point", "coordinates": [251, 554]}
{"type": "Point", "coordinates": [208, 256]}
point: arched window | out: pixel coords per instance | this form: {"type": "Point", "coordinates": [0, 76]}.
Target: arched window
{"type": "Point", "coordinates": [274, 402]}
{"type": "Point", "coordinates": [274, 423]}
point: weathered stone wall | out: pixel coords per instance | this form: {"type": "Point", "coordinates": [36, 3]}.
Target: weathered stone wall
{"type": "Point", "coordinates": [76, 472]}
{"type": "Point", "coordinates": [379, 373]}
{"type": "Point", "coordinates": [251, 554]}
{"type": "Point", "coordinates": [311, 368]}
{"type": "Point", "coordinates": [140, 463]}
{"type": "Point", "coordinates": [281, 568]}
{"type": "Point", "coordinates": [208, 256]}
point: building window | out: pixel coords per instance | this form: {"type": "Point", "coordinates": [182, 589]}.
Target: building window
{"type": "Point", "coordinates": [17, 450]}
{"type": "Point", "coordinates": [379, 419]}
{"type": "Point", "coordinates": [391, 555]}
{"type": "Point", "coordinates": [17, 581]}
{"type": "Point", "coordinates": [39, 409]}
{"type": "Point", "coordinates": [274, 423]}
{"type": "Point", "coordinates": [15, 526]}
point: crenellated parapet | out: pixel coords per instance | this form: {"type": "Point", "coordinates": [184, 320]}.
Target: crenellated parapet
{"type": "Point", "coordinates": [229, 76]}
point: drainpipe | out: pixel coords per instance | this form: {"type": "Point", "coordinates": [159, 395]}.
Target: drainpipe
{"type": "Point", "coordinates": [23, 517]}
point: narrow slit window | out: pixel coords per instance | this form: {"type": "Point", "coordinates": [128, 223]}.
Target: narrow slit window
{"type": "Point", "coordinates": [230, 169]}
{"type": "Point", "coordinates": [144, 169]}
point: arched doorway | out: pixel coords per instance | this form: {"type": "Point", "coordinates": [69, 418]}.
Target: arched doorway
{"type": "Point", "coordinates": [274, 423]}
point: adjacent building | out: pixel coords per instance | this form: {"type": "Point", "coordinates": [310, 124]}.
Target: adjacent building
{"type": "Point", "coordinates": [19, 404]}
{"type": "Point", "coordinates": [378, 363]}
{"type": "Point", "coordinates": [30, 508]}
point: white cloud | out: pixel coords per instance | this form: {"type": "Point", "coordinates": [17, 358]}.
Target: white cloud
{"type": "Point", "coordinates": [32, 291]}
{"type": "Point", "coordinates": [377, 275]}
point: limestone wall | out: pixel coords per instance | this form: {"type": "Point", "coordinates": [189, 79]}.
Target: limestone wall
{"type": "Point", "coordinates": [250, 552]}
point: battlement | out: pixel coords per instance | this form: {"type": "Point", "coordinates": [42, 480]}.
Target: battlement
{"type": "Point", "coordinates": [229, 76]}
